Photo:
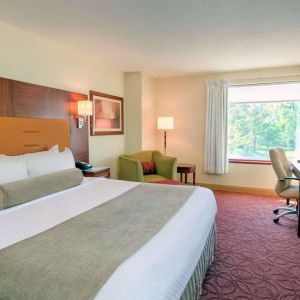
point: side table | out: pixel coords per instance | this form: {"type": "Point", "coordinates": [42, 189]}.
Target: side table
{"type": "Point", "coordinates": [97, 172]}
{"type": "Point", "coordinates": [185, 168]}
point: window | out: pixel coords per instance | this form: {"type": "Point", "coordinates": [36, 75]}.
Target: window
{"type": "Point", "coordinates": [261, 117]}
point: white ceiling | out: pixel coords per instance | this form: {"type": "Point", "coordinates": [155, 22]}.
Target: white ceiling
{"type": "Point", "coordinates": [168, 36]}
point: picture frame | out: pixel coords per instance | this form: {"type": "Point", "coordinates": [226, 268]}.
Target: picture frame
{"type": "Point", "coordinates": [108, 114]}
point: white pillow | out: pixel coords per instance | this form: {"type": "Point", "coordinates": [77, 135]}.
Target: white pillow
{"type": "Point", "coordinates": [12, 168]}
{"type": "Point", "coordinates": [53, 149]}
{"type": "Point", "coordinates": [66, 159]}
{"type": "Point", "coordinates": [45, 162]}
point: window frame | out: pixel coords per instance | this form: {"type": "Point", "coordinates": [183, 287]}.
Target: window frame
{"type": "Point", "coordinates": [247, 160]}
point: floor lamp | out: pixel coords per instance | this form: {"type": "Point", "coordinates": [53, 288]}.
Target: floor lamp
{"type": "Point", "coordinates": [165, 123]}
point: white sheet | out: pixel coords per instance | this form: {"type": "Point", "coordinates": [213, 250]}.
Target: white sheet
{"type": "Point", "coordinates": [158, 270]}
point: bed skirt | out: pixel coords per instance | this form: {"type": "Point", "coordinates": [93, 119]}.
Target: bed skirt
{"type": "Point", "coordinates": [194, 287]}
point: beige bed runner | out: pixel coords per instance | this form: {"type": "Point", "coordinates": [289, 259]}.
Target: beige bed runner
{"type": "Point", "coordinates": [74, 259]}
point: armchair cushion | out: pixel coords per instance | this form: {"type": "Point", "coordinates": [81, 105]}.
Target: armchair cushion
{"type": "Point", "coordinates": [153, 178]}
{"type": "Point", "coordinates": [291, 192]}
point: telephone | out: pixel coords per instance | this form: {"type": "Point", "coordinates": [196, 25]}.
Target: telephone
{"type": "Point", "coordinates": [83, 165]}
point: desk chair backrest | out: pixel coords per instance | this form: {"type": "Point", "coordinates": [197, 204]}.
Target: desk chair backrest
{"type": "Point", "coordinates": [282, 169]}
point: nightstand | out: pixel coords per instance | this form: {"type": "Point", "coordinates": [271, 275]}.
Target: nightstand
{"type": "Point", "coordinates": [97, 172]}
{"type": "Point", "coordinates": [184, 168]}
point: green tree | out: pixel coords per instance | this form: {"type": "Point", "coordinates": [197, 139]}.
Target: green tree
{"type": "Point", "coordinates": [256, 127]}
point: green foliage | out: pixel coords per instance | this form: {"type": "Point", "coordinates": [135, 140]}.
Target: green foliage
{"type": "Point", "coordinates": [256, 127]}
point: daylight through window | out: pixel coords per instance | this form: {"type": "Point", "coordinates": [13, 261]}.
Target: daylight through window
{"type": "Point", "coordinates": [261, 117]}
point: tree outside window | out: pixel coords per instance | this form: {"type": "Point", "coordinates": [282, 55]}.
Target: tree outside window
{"type": "Point", "coordinates": [258, 123]}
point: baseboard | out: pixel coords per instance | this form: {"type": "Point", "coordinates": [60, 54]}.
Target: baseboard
{"type": "Point", "coordinates": [238, 189]}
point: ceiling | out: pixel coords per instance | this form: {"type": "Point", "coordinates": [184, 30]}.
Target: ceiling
{"type": "Point", "coordinates": [168, 37]}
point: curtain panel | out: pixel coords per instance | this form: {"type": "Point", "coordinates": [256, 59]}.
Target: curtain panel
{"type": "Point", "coordinates": [215, 154]}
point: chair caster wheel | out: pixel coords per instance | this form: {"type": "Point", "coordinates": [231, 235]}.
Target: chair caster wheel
{"type": "Point", "coordinates": [275, 211]}
{"type": "Point", "coordinates": [275, 220]}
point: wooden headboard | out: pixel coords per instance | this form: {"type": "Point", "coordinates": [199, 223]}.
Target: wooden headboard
{"type": "Point", "coordinates": [24, 135]}
{"type": "Point", "coordinates": [21, 99]}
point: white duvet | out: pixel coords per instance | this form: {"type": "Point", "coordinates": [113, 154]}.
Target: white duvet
{"type": "Point", "coordinates": [158, 270]}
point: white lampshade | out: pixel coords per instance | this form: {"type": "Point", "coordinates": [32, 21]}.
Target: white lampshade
{"type": "Point", "coordinates": [84, 108]}
{"type": "Point", "coordinates": [165, 123]}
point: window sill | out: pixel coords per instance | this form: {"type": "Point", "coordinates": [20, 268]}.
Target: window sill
{"type": "Point", "coordinates": [249, 161]}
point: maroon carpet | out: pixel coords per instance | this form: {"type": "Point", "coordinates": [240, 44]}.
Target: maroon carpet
{"type": "Point", "coordinates": [255, 258]}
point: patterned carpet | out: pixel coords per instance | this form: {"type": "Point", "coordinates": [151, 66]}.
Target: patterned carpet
{"type": "Point", "coordinates": [255, 258]}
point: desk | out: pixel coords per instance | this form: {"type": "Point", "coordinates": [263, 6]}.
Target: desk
{"type": "Point", "coordinates": [296, 165]}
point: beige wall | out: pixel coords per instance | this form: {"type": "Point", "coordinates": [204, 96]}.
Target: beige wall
{"type": "Point", "coordinates": [148, 112]}
{"type": "Point", "coordinates": [140, 111]}
{"type": "Point", "coordinates": [184, 98]}
{"type": "Point", "coordinates": [133, 117]}
{"type": "Point", "coordinates": [29, 58]}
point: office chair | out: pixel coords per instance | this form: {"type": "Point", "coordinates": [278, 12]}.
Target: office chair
{"type": "Point", "coordinates": [284, 188]}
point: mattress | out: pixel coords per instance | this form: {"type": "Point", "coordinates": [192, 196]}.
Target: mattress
{"type": "Point", "coordinates": [160, 269]}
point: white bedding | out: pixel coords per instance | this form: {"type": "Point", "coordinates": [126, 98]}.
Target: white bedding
{"type": "Point", "coordinates": [158, 270]}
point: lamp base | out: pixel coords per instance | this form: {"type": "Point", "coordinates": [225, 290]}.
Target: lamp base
{"type": "Point", "coordinates": [165, 142]}
{"type": "Point", "coordinates": [80, 122]}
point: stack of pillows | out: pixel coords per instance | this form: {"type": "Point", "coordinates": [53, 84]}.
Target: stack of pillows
{"type": "Point", "coordinates": [13, 168]}
{"type": "Point", "coordinates": [33, 175]}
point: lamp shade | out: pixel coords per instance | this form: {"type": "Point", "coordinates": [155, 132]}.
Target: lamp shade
{"type": "Point", "coordinates": [165, 123]}
{"type": "Point", "coordinates": [84, 108]}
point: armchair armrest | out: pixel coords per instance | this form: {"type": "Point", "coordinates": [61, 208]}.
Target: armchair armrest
{"type": "Point", "coordinates": [295, 171]}
{"type": "Point", "coordinates": [166, 166]}
{"type": "Point", "coordinates": [130, 169]}
{"type": "Point", "coordinates": [292, 178]}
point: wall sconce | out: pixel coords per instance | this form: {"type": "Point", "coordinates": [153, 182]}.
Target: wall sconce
{"type": "Point", "coordinates": [84, 109]}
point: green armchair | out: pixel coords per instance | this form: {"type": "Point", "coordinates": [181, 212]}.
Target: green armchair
{"type": "Point", "coordinates": [130, 168]}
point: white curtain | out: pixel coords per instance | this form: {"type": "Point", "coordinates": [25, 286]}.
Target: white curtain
{"type": "Point", "coordinates": [215, 155]}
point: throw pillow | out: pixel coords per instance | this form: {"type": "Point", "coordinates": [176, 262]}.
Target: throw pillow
{"type": "Point", "coordinates": [148, 167]}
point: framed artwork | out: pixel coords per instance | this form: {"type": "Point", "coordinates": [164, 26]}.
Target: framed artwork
{"type": "Point", "coordinates": [108, 114]}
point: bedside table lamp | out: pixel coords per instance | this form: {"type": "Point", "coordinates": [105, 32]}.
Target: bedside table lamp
{"type": "Point", "coordinates": [165, 123]}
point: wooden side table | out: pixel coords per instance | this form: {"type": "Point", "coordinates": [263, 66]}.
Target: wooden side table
{"type": "Point", "coordinates": [97, 172]}
{"type": "Point", "coordinates": [185, 168]}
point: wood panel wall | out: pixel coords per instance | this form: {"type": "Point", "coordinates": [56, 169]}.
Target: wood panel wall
{"type": "Point", "coordinates": [21, 99]}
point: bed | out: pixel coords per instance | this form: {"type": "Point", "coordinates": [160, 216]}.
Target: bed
{"type": "Point", "coordinates": [99, 238]}
{"type": "Point", "coordinates": [171, 265]}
